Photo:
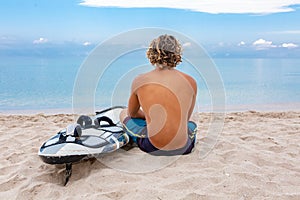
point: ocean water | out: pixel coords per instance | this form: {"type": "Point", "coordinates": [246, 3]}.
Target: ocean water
{"type": "Point", "coordinates": [254, 82]}
{"type": "Point", "coordinates": [31, 83]}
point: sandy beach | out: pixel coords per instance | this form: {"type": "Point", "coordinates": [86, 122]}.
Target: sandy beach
{"type": "Point", "coordinates": [257, 156]}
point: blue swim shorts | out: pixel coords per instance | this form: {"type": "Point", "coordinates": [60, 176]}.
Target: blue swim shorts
{"type": "Point", "coordinates": [136, 128]}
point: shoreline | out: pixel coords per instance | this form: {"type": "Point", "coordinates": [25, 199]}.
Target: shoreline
{"type": "Point", "coordinates": [283, 107]}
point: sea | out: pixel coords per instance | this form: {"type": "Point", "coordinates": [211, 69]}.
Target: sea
{"type": "Point", "coordinates": [43, 84]}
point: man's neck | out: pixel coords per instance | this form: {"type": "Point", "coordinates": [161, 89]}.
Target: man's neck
{"type": "Point", "coordinates": [162, 67]}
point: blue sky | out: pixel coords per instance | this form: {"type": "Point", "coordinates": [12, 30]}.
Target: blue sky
{"type": "Point", "coordinates": [242, 26]}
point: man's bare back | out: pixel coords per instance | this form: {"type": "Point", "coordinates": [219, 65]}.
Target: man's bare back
{"type": "Point", "coordinates": [167, 98]}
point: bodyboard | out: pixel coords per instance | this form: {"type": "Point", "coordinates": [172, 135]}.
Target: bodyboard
{"type": "Point", "coordinates": [99, 134]}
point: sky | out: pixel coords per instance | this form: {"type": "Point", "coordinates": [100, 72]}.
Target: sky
{"type": "Point", "coordinates": [233, 27]}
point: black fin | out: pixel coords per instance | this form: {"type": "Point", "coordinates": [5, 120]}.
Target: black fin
{"type": "Point", "coordinates": [68, 173]}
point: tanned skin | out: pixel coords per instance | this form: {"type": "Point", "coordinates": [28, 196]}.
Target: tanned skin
{"type": "Point", "coordinates": [165, 97]}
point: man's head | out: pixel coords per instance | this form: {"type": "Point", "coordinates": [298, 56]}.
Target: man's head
{"type": "Point", "coordinates": [164, 51]}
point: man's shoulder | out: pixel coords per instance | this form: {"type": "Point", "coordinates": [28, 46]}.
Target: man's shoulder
{"type": "Point", "coordinates": [142, 77]}
{"type": "Point", "coordinates": [139, 78]}
{"type": "Point", "coordinates": [188, 77]}
{"type": "Point", "coordinates": [139, 81]}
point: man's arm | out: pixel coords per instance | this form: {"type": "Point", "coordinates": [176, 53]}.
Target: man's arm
{"type": "Point", "coordinates": [194, 86]}
{"type": "Point", "coordinates": [134, 110]}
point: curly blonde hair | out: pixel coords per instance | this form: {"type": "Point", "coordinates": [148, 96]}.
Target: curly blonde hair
{"type": "Point", "coordinates": [165, 50]}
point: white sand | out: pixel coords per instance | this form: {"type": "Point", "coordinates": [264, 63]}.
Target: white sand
{"type": "Point", "coordinates": [257, 156]}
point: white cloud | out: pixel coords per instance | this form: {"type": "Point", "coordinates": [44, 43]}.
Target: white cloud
{"type": "Point", "coordinates": [221, 44]}
{"type": "Point", "coordinates": [8, 39]}
{"type": "Point", "coordinates": [87, 43]}
{"type": "Point", "coordinates": [40, 41]}
{"type": "Point", "coordinates": [263, 44]}
{"type": "Point", "coordinates": [242, 43]}
{"type": "Point", "coordinates": [207, 6]}
{"type": "Point", "coordinates": [289, 45]}
{"type": "Point", "coordinates": [187, 44]}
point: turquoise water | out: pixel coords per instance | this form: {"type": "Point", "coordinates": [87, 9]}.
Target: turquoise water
{"type": "Point", "coordinates": [47, 83]}
{"type": "Point", "coordinates": [261, 81]}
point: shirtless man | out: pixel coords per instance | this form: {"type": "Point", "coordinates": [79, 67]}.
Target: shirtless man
{"type": "Point", "coordinates": [161, 103]}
